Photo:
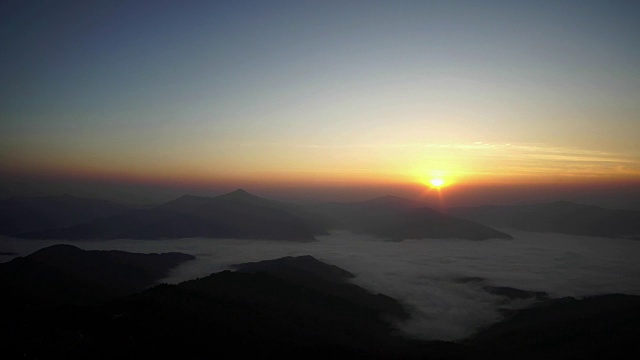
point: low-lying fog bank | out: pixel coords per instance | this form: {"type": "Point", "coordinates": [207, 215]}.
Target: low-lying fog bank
{"type": "Point", "coordinates": [444, 282]}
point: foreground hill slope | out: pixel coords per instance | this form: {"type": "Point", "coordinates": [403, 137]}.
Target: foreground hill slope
{"type": "Point", "coordinates": [65, 274]}
{"type": "Point", "coordinates": [289, 308]}
{"type": "Point", "coordinates": [598, 327]}
{"type": "Point", "coordinates": [248, 313]}
{"type": "Point", "coordinates": [328, 279]}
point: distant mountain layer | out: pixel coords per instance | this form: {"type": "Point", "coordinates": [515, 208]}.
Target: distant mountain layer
{"type": "Point", "coordinates": [234, 215]}
{"type": "Point", "coordinates": [241, 215]}
{"type": "Point", "coordinates": [28, 214]}
{"type": "Point", "coordinates": [398, 219]}
{"type": "Point", "coordinates": [65, 274]}
{"type": "Point", "coordinates": [558, 217]}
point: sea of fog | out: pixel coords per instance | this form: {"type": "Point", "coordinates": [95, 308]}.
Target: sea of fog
{"type": "Point", "coordinates": [423, 274]}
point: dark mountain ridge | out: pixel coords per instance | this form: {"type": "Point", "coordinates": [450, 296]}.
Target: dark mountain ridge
{"type": "Point", "coordinates": [328, 279]}
{"type": "Point", "coordinates": [234, 215]}
{"type": "Point", "coordinates": [28, 214]}
{"type": "Point", "coordinates": [275, 308]}
{"type": "Point", "coordinates": [398, 219]}
{"type": "Point", "coordinates": [244, 312]}
{"type": "Point", "coordinates": [596, 327]}
{"type": "Point", "coordinates": [242, 215]}
{"type": "Point", "coordinates": [65, 274]}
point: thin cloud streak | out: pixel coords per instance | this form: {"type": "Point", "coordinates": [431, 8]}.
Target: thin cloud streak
{"type": "Point", "coordinates": [505, 158]}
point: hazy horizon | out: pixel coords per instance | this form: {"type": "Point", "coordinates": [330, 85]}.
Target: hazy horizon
{"type": "Point", "coordinates": [625, 196]}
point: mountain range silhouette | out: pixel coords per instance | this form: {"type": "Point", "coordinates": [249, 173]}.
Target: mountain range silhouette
{"type": "Point", "coordinates": [292, 307]}
{"type": "Point", "coordinates": [241, 215]}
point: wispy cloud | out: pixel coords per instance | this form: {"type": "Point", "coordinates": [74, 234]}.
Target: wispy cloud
{"type": "Point", "coordinates": [484, 159]}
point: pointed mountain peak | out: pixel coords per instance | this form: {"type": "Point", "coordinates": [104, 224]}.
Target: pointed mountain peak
{"type": "Point", "coordinates": [238, 194]}
{"type": "Point", "coordinates": [241, 195]}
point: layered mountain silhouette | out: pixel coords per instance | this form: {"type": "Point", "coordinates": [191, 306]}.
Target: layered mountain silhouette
{"type": "Point", "coordinates": [65, 274]}
{"type": "Point", "coordinates": [300, 306]}
{"type": "Point", "coordinates": [398, 219]}
{"type": "Point", "coordinates": [558, 217]}
{"type": "Point", "coordinates": [245, 216]}
{"type": "Point", "coordinates": [29, 214]}
{"type": "Point", "coordinates": [234, 215]}
{"type": "Point", "coordinates": [242, 215]}
{"type": "Point", "coordinates": [328, 279]}
{"type": "Point", "coordinates": [284, 308]}
{"type": "Point", "coordinates": [598, 327]}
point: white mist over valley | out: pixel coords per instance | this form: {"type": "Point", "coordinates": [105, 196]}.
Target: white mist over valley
{"type": "Point", "coordinates": [440, 281]}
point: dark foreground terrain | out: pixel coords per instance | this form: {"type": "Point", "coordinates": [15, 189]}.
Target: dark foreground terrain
{"type": "Point", "coordinates": [293, 307]}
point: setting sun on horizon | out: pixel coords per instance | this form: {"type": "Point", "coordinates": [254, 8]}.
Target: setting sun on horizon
{"type": "Point", "coordinates": [330, 96]}
{"type": "Point", "coordinates": [437, 183]}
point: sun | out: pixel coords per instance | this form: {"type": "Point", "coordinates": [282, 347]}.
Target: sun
{"type": "Point", "coordinates": [437, 182]}
{"type": "Point", "coordinates": [436, 179]}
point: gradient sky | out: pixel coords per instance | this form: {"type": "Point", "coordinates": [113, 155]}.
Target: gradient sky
{"type": "Point", "coordinates": [321, 92]}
